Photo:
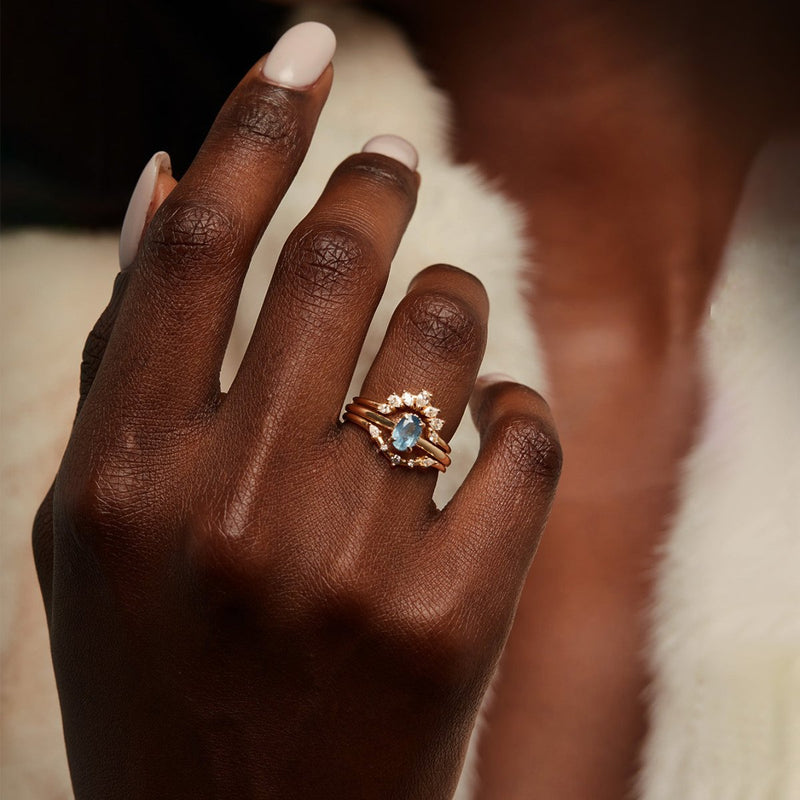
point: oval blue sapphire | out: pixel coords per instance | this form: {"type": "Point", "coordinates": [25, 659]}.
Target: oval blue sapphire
{"type": "Point", "coordinates": [406, 432]}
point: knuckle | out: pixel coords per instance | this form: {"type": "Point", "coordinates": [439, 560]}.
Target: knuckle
{"type": "Point", "coordinates": [98, 496]}
{"type": "Point", "coordinates": [115, 514]}
{"type": "Point", "coordinates": [345, 587]}
{"type": "Point", "coordinates": [434, 635]}
{"type": "Point", "coordinates": [190, 233]}
{"type": "Point", "coordinates": [444, 326]}
{"type": "Point", "coordinates": [112, 488]}
{"type": "Point", "coordinates": [348, 611]}
{"type": "Point", "coordinates": [531, 446]}
{"type": "Point", "coordinates": [262, 115]}
{"type": "Point", "coordinates": [227, 557]}
{"type": "Point", "coordinates": [328, 262]}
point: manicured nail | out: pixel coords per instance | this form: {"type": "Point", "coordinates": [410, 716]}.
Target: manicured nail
{"type": "Point", "coordinates": [139, 205]}
{"type": "Point", "coordinates": [300, 56]}
{"type": "Point", "coordinates": [493, 377]}
{"type": "Point", "coordinates": [395, 147]}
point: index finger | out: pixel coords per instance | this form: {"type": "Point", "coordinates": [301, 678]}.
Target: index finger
{"type": "Point", "coordinates": [172, 331]}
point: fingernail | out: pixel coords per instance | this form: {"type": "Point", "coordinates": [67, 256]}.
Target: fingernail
{"type": "Point", "coordinates": [139, 205]}
{"type": "Point", "coordinates": [395, 147]}
{"type": "Point", "coordinates": [493, 377]}
{"type": "Point", "coordinates": [300, 56]}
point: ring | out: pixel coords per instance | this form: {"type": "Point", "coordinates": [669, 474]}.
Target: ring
{"type": "Point", "coordinates": [405, 428]}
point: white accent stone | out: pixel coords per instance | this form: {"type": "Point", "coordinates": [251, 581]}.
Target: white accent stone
{"type": "Point", "coordinates": [394, 401]}
{"type": "Point", "coordinates": [435, 424]}
{"type": "Point", "coordinates": [408, 399]}
{"type": "Point", "coordinates": [430, 411]}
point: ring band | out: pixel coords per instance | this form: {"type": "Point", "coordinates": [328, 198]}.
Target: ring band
{"type": "Point", "coordinates": [412, 423]}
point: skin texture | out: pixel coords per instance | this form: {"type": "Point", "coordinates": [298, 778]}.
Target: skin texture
{"type": "Point", "coordinates": [228, 617]}
{"type": "Point", "coordinates": [618, 130]}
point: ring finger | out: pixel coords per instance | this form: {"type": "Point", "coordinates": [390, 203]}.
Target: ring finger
{"type": "Point", "coordinates": [434, 342]}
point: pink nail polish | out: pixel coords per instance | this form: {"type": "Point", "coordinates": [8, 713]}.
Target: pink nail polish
{"type": "Point", "coordinates": [136, 215]}
{"type": "Point", "coordinates": [300, 56]}
{"type": "Point", "coordinates": [394, 147]}
{"type": "Point", "coordinates": [493, 377]}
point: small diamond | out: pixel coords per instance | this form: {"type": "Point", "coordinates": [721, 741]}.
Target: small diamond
{"type": "Point", "coordinates": [406, 432]}
{"type": "Point", "coordinates": [430, 411]}
{"type": "Point", "coordinates": [394, 401]}
{"type": "Point", "coordinates": [374, 432]}
{"type": "Point", "coordinates": [384, 446]}
{"type": "Point", "coordinates": [433, 437]}
{"type": "Point", "coordinates": [422, 399]}
{"type": "Point", "coordinates": [408, 399]}
{"type": "Point", "coordinates": [435, 424]}
{"type": "Point", "coordinates": [385, 408]}
{"type": "Point", "coordinates": [395, 460]}
{"type": "Point", "coordinates": [410, 462]}
{"type": "Point", "coordinates": [425, 462]}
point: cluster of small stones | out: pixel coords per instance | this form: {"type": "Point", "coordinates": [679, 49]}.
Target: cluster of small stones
{"type": "Point", "coordinates": [408, 400]}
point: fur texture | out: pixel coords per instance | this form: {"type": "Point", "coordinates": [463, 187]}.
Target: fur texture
{"type": "Point", "coordinates": [726, 617]}
{"type": "Point", "coordinates": [725, 710]}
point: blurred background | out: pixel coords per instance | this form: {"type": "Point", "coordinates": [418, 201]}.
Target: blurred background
{"type": "Point", "coordinates": [91, 88]}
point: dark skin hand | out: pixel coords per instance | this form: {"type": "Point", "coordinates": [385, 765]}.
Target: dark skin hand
{"type": "Point", "coordinates": [244, 598]}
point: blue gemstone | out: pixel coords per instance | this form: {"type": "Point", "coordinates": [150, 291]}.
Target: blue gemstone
{"type": "Point", "coordinates": [406, 432]}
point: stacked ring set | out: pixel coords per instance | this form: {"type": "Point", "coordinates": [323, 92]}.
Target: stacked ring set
{"type": "Point", "coordinates": [405, 428]}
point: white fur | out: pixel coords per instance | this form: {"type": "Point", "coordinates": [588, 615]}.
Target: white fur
{"type": "Point", "coordinates": [726, 643]}
{"type": "Point", "coordinates": [725, 719]}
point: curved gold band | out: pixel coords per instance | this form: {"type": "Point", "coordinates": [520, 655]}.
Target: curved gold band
{"type": "Point", "coordinates": [366, 424]}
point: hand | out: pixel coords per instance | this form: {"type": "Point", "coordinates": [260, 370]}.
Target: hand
{"type": "Point", "coordinates": [244, 598]}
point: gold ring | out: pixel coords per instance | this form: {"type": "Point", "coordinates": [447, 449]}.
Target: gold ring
{"type": "Point", "coordinates": [405, 428]}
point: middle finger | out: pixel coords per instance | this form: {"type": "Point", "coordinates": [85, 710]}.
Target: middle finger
{"type": "Point", "coordinates": [327, 284]}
